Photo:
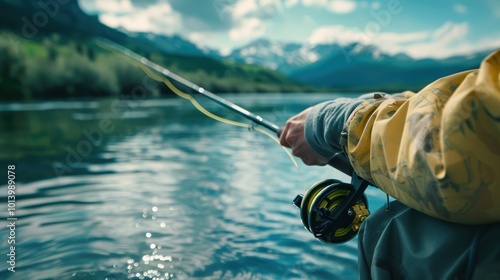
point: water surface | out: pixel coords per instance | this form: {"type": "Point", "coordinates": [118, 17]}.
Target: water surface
{"type": "Point", "coordinates": [108, 189]}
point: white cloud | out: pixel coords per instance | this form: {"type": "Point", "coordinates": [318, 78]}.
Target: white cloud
{"type": "Point", "coordinates": [436, 50]}
{"type": "Point", "coordinates": [259, 8]}
{"type": "Point", "coordinates": [460, 8]}
{"type": "Point", "coordinates": [114, 6]}
{"type": "Point", "coordinates": [335, 6]}
{"type": "Point", "coordinates": [88, 6]}
{"type": "Point", "coordinates": [272, 3]}
{"type": "Point", "coordinates": [492, 43]}
{"type": "Point", "coordinates": [401, 38]}
{"type": "Point", "coordinates": [290, 3]}
{"type": "Point", "coordinates": [158, 18]}
{"type": "Point", "coordinates": [225, 51]}
{"type": "Point", "coordinates": [342, 6]}
{"type": "Point", "coordinates": [110, 6]}
{"type": "Point", "coordinates": [248, 28]}
{"type": "Point", "coordinates": [446, 40]}
{"type": "Point", "coordinates": [250, 17]}
{"type": "Point", "coordinates": [450, 32]}
{"type": "Point", "coordinates": [335, 34]}
{"type": "Point", "coordinates": [343, 35]}
{"type": "Point", "coordinates": [309, 3]}
{"type": "Point", "coordinates": [243, 8]}
{"type": "Point", "coordinates": [198, 38]}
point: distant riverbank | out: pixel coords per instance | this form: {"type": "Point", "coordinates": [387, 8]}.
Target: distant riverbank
{"type": "Point", "coordinates": [62, 67]}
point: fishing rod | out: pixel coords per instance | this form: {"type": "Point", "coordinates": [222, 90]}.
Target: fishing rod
{"type": "Point", "coordinates": [339, 161]}
{"type": "Point", "coordinates": [165, 72]}
{"type": "Point", "coordinates": [332, 210]}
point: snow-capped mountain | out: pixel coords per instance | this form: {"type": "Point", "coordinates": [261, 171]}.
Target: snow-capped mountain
{"type": "Point", "coordinates": [283, 57]}
{"type": "Point", "coordinates": [331, 65]}
{"type": "Point", "coordinates": [354, 65]}
{"type": "Point", "coordinates": [289, 57]}
{"type": "Point", "coordinates": [359, 66]}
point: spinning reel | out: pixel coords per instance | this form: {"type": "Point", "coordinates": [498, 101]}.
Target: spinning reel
{"type": "Point", "coordinates": [332, 210]}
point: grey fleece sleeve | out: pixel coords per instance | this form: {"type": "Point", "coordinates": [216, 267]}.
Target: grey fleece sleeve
{"type": "Point", "coordinates": [326, 121]}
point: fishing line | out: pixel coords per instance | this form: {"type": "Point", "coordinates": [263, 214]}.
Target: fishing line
{"type": "Point", "coordinates": [203, 110]}
{"type": "Point", "coordinates": [331, 210]}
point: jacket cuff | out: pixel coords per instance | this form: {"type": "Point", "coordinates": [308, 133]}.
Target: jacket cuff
{"type": "Point", "coordinates": [325, 123]}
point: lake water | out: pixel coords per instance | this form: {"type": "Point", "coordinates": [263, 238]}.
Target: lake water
{"type": "Point", "coordinates": [117, 189]}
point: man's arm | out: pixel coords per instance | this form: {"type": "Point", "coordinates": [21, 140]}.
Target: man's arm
{"type": "Point", "coordinates": [437, 151]}
{"type": "Point", "coordinates": [314, 133]}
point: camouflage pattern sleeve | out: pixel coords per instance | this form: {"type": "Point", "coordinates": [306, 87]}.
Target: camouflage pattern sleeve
{"type": "Point", "coordinates": [438, 150]}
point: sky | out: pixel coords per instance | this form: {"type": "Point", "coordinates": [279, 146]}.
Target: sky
{"type": "Point", "coordinates": [419, 28]}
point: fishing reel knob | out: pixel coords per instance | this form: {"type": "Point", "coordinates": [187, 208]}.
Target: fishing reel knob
{"type": "Point", "coordinates": [326, 213]}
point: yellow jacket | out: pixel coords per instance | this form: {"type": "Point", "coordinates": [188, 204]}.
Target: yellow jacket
{"type": "Point", "coordinates": [438, 150]}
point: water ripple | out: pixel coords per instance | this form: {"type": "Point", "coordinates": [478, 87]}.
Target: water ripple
{"type": "Point", "coordinates": [172, 195]}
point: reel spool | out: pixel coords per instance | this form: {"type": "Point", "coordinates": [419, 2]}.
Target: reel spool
{"type": "Point", "coordinates": [332, 210]}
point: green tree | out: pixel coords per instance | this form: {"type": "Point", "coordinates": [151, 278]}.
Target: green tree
{"type": "Point", "coordinates": [12, 68]}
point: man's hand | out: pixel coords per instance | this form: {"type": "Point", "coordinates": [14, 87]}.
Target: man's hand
{"type": "Point", "coordinates": [292, 136]}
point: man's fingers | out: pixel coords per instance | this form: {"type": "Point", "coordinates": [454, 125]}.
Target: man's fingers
{"type": "Point", "coordinates": [283, 137]}
{"type": "Point", "coordinates": [292, 136]}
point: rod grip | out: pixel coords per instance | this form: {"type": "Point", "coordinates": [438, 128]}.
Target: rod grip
{"type": "Point", "coordinates": [339, 160]}
{"type": "Point", "coordinates": [341, 163]}
{"type": "Point", "coordinates": [278, 133]}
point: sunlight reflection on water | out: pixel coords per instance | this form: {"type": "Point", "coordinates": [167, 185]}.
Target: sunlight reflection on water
{"type": "Point", "coordinates": [170, 195]}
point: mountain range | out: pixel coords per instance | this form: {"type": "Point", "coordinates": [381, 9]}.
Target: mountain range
{"type": "Point", "coordinates": [352, 67]}
{"type": "Point", "coordinates": [348, 67]}
{"type": "Point", "coordinates": [48, 50]}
